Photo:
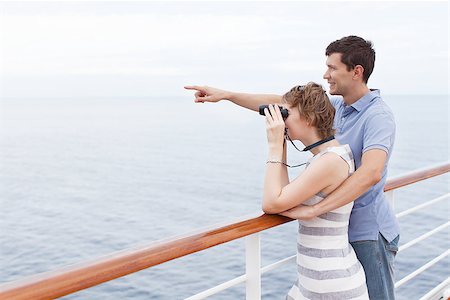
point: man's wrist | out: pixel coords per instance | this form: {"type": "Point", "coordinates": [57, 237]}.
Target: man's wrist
{"type": "Point", "coordinates": [228, 95]}
{"type": "Point", "coordinates": [315, 211]}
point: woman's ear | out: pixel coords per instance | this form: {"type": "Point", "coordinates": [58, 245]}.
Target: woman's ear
{"type": "Point", "coordinates": [310, 120]}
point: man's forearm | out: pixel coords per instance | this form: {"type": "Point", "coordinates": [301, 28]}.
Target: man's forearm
{"type": "Point", "coordinates": [353, 187]}
{"type": "Point", "coordinates": [253, 101]}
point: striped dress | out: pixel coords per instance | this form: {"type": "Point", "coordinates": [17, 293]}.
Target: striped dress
{"type": "Point", "coordinates": [326, 262]}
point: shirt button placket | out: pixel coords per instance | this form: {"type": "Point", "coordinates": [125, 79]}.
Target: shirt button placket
{"type": "Point", "coordinates": [346, 112]}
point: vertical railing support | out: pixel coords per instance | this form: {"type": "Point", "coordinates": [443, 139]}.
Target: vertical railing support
{"type": "Point", "coordinates": [390, 198]}
{"type": "Point", "coordinates": [253, 266]}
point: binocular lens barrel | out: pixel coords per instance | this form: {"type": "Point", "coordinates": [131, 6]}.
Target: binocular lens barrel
{"type": "Point", "coordinates": [284, 111]}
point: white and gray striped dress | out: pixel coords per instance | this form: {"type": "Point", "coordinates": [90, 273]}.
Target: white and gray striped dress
{"type": "Point", "coordinates": [326, 262]}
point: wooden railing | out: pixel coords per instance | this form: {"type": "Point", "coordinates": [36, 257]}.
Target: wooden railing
{"type": "Point", "coordinates": [81, 276]}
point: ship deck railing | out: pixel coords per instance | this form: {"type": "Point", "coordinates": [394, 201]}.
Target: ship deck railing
{"type": "Point", "coordinates": [71, 279]}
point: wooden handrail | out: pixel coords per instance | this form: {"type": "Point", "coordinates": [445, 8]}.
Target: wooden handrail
{"type": "Point", "coordinates": [81, 276]}
{"type": "Point", "coordinates": [77, 277]}
{"type": "Point", "coordinates": [415, 176]}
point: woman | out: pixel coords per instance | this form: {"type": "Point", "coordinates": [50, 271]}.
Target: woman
{"type": "Point", "coordinates": [327, 265]}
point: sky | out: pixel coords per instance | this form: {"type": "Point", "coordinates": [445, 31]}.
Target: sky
{"type": "Point", "coordinates": [153, 49]}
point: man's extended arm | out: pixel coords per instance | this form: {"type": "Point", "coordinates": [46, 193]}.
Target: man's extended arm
{"type": "Point", "coordinates": [250, 101]}
{"type": "Point", "coordinates": [367, 175]}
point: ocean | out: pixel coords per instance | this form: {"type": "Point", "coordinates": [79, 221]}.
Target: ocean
{"type": "Point", "coordinates": [81, 178]}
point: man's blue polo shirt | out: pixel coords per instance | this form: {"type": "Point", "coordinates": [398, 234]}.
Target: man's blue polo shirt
{"type": "Point", "coordinates": [368, 124]}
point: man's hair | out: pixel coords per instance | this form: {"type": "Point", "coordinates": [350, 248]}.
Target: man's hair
{"type": "Point", "coordinates": [355, 51]}
{"type": "Point", "coordinates": [314, 105]}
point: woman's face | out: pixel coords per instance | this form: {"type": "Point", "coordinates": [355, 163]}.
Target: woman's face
{"type": "Point", "coordinates": [295, 123]}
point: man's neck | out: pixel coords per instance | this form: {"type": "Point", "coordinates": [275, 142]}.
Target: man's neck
{"type": "Point", "coordinates": [356, 94]}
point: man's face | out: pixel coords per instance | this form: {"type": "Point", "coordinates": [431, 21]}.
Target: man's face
{"type": "Point", "coordinates": [337, 75]}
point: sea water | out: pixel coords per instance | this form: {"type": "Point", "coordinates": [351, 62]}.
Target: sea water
{"type": "Point", "coordinates": [82, 178]}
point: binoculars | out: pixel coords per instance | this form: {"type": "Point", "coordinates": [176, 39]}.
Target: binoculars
{"type": "Point", "coordinates": [284, 111]}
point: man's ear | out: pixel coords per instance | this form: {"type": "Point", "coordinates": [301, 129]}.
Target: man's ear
{"type": "Point", "coordinates": [358, 72]}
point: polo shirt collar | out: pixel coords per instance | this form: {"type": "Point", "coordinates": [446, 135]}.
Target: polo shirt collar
{"type": "Point", "coordinates": [366, 99]}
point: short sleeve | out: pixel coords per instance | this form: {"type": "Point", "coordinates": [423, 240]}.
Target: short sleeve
{"type": "Point", "coordinates": [379, 132]}
{"type": "Point", "coordinates": [335, 101]}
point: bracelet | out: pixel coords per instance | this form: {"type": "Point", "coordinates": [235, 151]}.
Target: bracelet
{"type": "Point", "coordinates": [276, 162]}
{"type": "Point", "coordinates": [283, 163]}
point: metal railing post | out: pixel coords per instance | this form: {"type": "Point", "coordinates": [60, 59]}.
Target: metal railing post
{"type": "Point", "coordinates": [253, 266]}
{"type": "Point", "coordinates": [390, 198]}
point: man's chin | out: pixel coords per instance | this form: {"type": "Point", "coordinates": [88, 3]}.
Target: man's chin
{"type": "Point", "coordinates": [334, 93]}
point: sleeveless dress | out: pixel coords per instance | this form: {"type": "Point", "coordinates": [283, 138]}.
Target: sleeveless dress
{"type": "Point", "coordinates": [327, 266]}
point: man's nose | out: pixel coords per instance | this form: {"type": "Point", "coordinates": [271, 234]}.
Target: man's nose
{"type": "Point", "coordinates": [326, 75]}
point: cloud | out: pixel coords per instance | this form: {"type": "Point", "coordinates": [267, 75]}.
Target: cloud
{"type": "Point", "coordinates": [232, 44]}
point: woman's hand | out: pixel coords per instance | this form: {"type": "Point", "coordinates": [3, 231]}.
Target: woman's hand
{"type": "Point", "coordinates": [275, 127]}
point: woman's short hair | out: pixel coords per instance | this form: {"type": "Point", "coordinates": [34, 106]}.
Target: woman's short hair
{"type": "Point", "coordinates": [314, 105]}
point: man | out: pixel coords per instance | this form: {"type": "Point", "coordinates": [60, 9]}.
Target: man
{"type": "Point", "coordinates": [367, 124]}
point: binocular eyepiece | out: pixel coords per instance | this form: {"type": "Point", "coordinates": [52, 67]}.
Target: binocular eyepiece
{"type": "Point", "coordinates": [284, 111]}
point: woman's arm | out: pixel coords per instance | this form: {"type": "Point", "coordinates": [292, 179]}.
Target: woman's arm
{"type": "Point", "coordinates": [324, 172]}
{"type": "Point", "coordinates": [279, 195]}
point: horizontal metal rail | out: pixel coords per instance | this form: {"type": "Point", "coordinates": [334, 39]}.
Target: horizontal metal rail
{"type": "Point", "coordinates": [423, 205]}
{"type": "Point", "coordinates": [421, 269]}
{"type": "Point", "coordinates": [279, 264]}
{"type": "Point", "coordinates": [77, 277]}
{"type": "Point", "coordinates": [422, 237]}
{"type": "Point", "coordinates": [436, 291]}
{"type": "Point", "coordinates": [219, 288]}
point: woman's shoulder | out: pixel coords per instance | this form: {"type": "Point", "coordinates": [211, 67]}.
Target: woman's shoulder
{"type": "Point", "coordinates": [336, 160]}
{"type": "Point", "coordinates": [330, 169]}
{"type": "Point", "coordinates": [344, 151]}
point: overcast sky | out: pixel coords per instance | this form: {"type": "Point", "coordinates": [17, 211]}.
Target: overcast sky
{"type": "Point", "coordinates": [53, 49]}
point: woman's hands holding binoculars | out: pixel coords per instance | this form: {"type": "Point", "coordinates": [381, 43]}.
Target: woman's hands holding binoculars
{"type": "Point", "coordinates": [275, 128]}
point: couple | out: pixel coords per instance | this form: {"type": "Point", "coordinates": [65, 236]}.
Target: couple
{"type": "Point", "coordinates": [336, 235]}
